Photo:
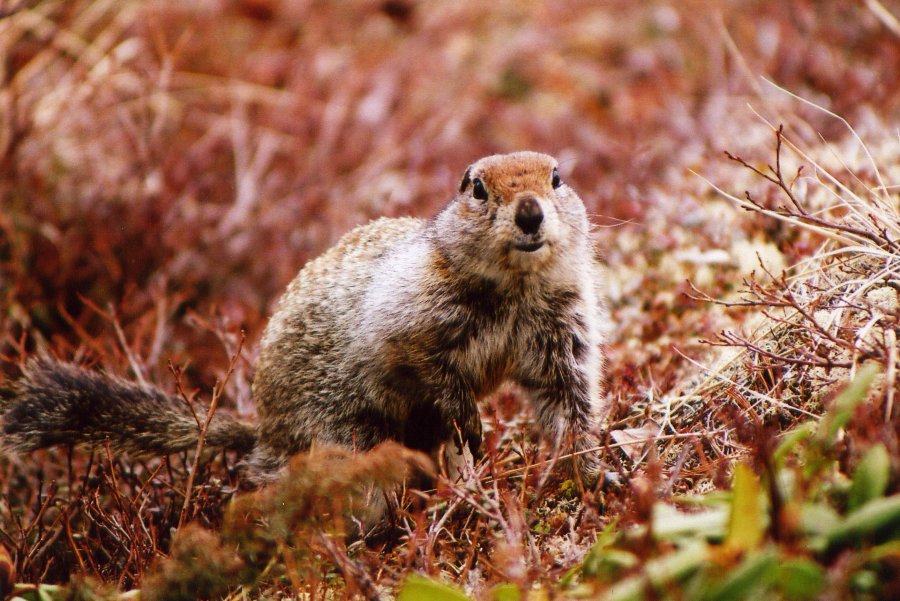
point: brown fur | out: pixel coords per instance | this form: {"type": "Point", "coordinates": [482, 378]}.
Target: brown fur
{"type": "Point", "coordinates": [396, 332]}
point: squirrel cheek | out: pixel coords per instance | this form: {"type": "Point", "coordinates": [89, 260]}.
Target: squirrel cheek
{"type": "Point", "coordinates": [552, 229]}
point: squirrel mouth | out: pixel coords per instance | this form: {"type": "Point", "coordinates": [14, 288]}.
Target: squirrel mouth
{"type": "Point", "coordinates": [529, 247]}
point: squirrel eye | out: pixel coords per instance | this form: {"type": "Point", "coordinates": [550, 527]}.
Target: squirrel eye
{"type": "Point", "coordinates": [556, 182]}
{"type": "Point", "coordinates": [478, 189]}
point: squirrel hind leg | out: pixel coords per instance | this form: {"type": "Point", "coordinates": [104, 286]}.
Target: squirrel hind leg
{"type": "Point", "coordinates": [264, 465]}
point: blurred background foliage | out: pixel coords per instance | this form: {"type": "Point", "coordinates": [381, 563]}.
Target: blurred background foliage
{"type": "Point", "coordinates": [166, 167]}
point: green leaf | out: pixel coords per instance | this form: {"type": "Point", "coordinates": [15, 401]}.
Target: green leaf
{"type": "Point", "coordinates": [713, 498]}
{"type": "Point", "coordinates": [800, 579]}
{"type": "Point", "coordinates": [846, 403]}
{"type": "Point", "coordinates": [608, 563]}
{"type": "Point", "coordinates": [876, 516]}
{"type": "Point", "coordinates": [889, 549]}
{"type": "Point", "coordinates": [871, 477]}
{"type": "Point", "coordinates": [747, 580]}
{"type": "Point", "coordinates": [791, 439]}
{"type": "Point", "coordinates": [603, 561]}
{"type": "Point", "coordinates": [47, 592]}
{"type": "Point", "coordinates": [817, 521]}
{"type": "Point", "coordinates": [819, 518]}
{"type": "Point", "coordinates": [506, 592]}
{"type": "Point", "coordinates": [569, 577]}
{"type": "Point", "coordinates": [866, 582]}
{"type": "Point", "coordinates": [39, 592]}
{"type": "Point", "coordinates": [745, 523]}
{"type": "Point", "coordinates": [661, 573]}
{"type": "Point", "coordinates": [419, 588]}
{"type": "Point", "coordinates": [669, 523]}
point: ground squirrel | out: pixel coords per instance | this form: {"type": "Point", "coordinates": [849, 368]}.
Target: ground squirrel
{"type": "Point", "coordinates": [394, 333]}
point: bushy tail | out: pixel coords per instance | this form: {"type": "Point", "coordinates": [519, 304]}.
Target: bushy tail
{"type": "Point", "coordinates": [60, 403]}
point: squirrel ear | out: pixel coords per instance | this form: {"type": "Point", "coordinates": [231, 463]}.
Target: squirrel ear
{"type": "Point", "coordinates": [466, 179]}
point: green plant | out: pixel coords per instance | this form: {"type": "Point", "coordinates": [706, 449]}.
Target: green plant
{"type": "Point", "coordinates": [742, 545]}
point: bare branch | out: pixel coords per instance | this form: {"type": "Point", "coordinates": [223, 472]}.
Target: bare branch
{"type": "Point", "coordinates": [201, 439]}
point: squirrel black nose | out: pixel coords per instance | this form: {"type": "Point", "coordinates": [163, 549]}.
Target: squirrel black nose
{"type": "Point", "coordinates": [529, 215]}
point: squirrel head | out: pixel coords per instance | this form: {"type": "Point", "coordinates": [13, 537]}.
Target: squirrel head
{"type": "Point", "coordinates": [518, 212]}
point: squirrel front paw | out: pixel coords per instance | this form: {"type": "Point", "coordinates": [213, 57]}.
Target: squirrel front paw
{"type": "Point", "coordinates": [587, 460]}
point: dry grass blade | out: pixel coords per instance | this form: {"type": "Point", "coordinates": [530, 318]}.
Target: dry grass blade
{"type": "Point", "coordinates": [213, 405]}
